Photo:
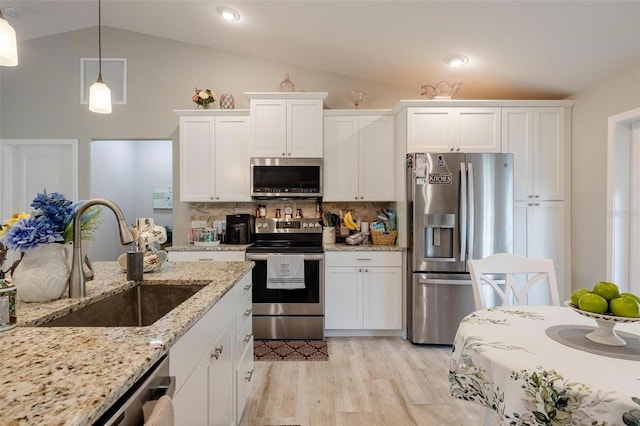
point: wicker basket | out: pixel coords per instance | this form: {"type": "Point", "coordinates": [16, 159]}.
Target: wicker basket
{"type": "Point", "coordinates": [384, 238]}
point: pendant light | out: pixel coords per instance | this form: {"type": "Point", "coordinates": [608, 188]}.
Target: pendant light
{"type": "Point", "coordinates": [99, 92]}
{"type": "Point", "coordinates": [8, 44]}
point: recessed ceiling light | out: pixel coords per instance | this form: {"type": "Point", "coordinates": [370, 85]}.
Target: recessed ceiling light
{"type": "Point", "coordinates": [228, 14]}
{"type": "Point", "coordinates": [457, 61]}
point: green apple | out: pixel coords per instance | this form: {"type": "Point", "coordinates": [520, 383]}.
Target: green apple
{"type": "Point", "coordinates": [592, 302]}
{"type": "Point", "coordinates": [606, 289]}
{"type": "Point", "coordinates": [625, 307]}
{"type": "Point", "coordinates": [575, 296]}
{"type": "Point", "coordinates": [631, 295]}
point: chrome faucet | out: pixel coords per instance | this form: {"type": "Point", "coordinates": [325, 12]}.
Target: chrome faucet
{"type": "Point", "coordinates": [77, 287]}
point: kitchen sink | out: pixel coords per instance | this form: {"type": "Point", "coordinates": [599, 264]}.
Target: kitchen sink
{"type": "Point", "coordinates": [138, 306]}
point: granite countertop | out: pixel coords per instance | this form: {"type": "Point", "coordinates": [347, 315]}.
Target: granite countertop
{"type": "Point", "coordinates": [71, 375]}
{"type": "Point", "coordinates": [221, 247]}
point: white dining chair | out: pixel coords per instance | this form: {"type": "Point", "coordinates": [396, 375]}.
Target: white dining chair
{"type": "Point", "coordinates": [505, 279]}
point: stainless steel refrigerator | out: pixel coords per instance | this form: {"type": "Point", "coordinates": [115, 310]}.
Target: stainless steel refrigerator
{"type": "Point", "coordinates": [460, 208]}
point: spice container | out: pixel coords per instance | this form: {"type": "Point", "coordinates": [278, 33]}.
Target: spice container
{"type": "Point", "coordinates": [8, 294]}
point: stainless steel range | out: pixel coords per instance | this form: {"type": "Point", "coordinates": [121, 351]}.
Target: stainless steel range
{"type": "Point", "coordinates": [289, 313]}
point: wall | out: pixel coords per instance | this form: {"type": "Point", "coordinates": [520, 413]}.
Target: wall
{"type": "Point", "coordinates": [41, 97]}
{"type": "Point", "coordinates": [126, 172]}
{"type": "Point", "coordinates": [589, 171]}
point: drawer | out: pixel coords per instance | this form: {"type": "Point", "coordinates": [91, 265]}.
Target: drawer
{"type": "Point", "coordinates": [243, 313]}
{"type": "Point", "coordinates": [363, 258]}
{"type": "Point", "coordinates": [244, 376]}
{"type": "Point", "coordinates": [213, 255]}
{"type": "Point", "coordinates": [244, 336]}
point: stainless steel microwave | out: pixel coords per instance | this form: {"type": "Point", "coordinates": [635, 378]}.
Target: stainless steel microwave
{"type": "Point", "coordinates": [286, 177]}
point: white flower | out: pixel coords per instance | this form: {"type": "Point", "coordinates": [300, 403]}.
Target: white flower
{"type": "Point", "coordinates": [203, 95]}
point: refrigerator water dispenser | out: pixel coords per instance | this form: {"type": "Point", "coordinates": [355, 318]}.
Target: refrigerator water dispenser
{"type": "Point", "coordinates": [438, 237]}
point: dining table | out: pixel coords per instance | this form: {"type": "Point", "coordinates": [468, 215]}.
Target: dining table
{"type": "Point", "coordinates": [534, 365]}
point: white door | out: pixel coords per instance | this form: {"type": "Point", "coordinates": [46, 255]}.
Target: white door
{"type": "Point", "coordinates": [29, 166]}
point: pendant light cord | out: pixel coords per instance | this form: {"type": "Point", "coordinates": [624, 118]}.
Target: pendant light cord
{"type": "Point", "coordinates": [100, 40]}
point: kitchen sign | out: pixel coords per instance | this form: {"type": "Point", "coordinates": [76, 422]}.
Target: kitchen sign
{"type": "Point", "coordinates": [440, 178]}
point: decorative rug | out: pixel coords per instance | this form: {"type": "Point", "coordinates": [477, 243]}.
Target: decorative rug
{"type": "Point", "coordinates": [290, 350]}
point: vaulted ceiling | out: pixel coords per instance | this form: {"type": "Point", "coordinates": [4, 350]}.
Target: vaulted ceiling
{"type": "Point", "coordinates": [516, 49]}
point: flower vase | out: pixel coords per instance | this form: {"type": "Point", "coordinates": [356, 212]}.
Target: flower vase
{"type": "Point", "coordinates": [42, 274]}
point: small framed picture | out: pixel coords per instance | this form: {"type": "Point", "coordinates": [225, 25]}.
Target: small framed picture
{"type": "Point", "coordinates": [163, 198]}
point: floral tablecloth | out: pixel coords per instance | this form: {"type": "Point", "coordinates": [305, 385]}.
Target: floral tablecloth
{"type": "Point", "coordinates": [502, 358]}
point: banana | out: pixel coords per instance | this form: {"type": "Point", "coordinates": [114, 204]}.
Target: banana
{"type": "Point", "coordinates": [348, 220]}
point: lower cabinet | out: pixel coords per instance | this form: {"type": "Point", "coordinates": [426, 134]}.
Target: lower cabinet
{"type": "Point", "coordinates": [363, 290]}
{"type": "Point", "coordinates": [540, 233]}
{"type": "Point", "coordinates": [208, 363]}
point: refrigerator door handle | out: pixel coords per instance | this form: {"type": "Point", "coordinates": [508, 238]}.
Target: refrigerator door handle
{"type": "Point", "coordinates": [443, 282]}
{"type": "Point", "coordinates": [463, 211]}
{"type": "Point", "coordinates": [471, 208]}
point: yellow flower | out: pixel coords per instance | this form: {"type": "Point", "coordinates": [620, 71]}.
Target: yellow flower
{"type": "Point", "coordinates": [14, 218]}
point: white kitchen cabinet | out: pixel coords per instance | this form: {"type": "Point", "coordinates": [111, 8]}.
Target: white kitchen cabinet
{"type": "Point", "coordinates": [285, 124]}
{"type": "Point", "coordinates": [210, 255]}
{"type": "Point", "coordinates": [363, 290]}
{"type": "Point", "coordinates": [453, 129]}
{"type": "Point", "coordinates": [214, 159]}
{"type": "Point", "coordinates": [540, 232]}
{"type": "Point", "coordinates": [358, 158]}
{"type": "Point", "coordinates": [205, 363]}
{"type": "Point", "coordinates": [537, 139]}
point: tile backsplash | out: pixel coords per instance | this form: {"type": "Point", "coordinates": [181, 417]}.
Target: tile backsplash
{"type": "Point", "coordinates": [218, 211]}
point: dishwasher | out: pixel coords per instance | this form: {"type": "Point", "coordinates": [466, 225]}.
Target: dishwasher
{"type": "Point", "coordinates": [134, 407]}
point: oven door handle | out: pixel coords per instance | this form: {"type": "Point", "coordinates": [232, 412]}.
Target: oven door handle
{"type": "Point", "coordinates": [253, 256]}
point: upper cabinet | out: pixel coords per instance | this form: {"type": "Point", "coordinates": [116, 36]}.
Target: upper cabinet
{"type": "Point", "coordinates": [214, 159]}
{"type": "Point", "coordinates": [358, 156]}
{"type": "Point", "coordinates": [285, 124]}
{"type": "Point", "coordinates": [453, 129]}
{"type": "Point", "coordinates": [537, 138]}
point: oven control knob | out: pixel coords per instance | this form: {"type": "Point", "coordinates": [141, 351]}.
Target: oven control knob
{"type": "Point", "coordinates": [317, 225]}
{"type": "Point", "coordinates": [304, 225]}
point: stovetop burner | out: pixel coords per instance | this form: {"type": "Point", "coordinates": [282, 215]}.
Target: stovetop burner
{"type": "Point", "coordinates": [287, 236]}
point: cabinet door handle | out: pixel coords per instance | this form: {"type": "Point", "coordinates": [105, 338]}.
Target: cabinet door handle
{"type": "Point", "coordinates": [355, 198]}
{"type": "Point", "coordinates": [248, 312]}
{"type": "Point", "coordinates": [366, 270]}
{"type": "Point", "coordinates": [530, 204]}
{"type": "Point", "coordinates": [247, 287]}
{"type": "Point", "coordinates": [530, 195]}
{"type": "Point", "coordinates": [360, 270]}
{"type": "Point", "coordinates": [458, 150]}
{"type": "Point", "coordinates": [284, 155]}
{"type": "Point", "coordinates": [536, 204]}
{"type": "Point", "coordinates": [217, 351]}
{"type": "Point", "coordinates": [451, 149]}
{"type": "Point", "coordinates": [247, 338]}
{"type": "Point", "coordinates": [364, 259]}
{"type": "Point", "coordinates": [249, 375]}
{"type": "Point", "coordinates": [537, 196]}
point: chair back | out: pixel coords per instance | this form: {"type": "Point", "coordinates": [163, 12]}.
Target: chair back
{"type": "Point", "coordinates": [503, 273]}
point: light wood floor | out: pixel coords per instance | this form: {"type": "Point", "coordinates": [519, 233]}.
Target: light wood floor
{"type": "Point", "coordinates": [371, 381]}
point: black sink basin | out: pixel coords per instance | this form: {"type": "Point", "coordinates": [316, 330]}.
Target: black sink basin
{"type": "Point", "coordinates": [138, 306]}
